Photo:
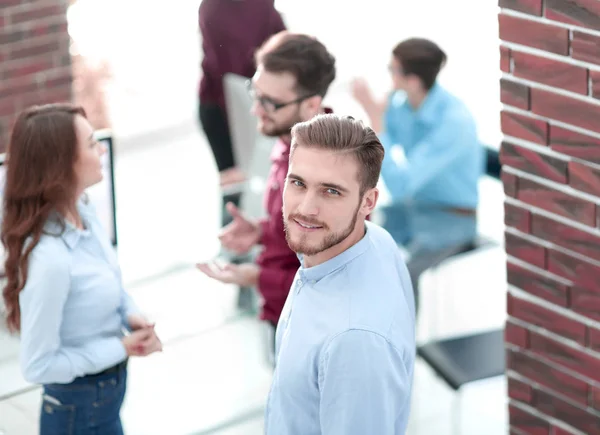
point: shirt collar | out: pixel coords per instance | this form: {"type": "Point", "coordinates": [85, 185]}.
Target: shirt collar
{"type": "Point", "coordinates": [320, 271]}
{"type": "Point", "coordinates": [281, 151]}
{"type": "Point", "coordinates": [71, 235]}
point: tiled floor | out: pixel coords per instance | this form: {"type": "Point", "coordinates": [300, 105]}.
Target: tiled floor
{"type": "Point", "coordinates": [213, 377]}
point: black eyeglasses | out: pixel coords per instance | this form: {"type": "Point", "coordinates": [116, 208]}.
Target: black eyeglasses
{"type": "Point", "coordinates": [268, 104]}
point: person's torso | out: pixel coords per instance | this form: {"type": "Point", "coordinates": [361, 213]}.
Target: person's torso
{"type": "Point", "coordinates": [233, 31]}
{"type": "Point", "coordinates": [94, 298]}
{"type": "Point", "coordinates": [457, 184]}
{"type": "Point", "coordinates": [371, 292]}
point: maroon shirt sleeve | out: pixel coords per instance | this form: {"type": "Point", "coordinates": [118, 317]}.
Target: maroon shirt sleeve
{"type": "Point", "coordinates": [231, 32]}
{"type": "Point", "coordinates": [210, 85]}
{"type": "Point", "coordinates": [263, 229]}
{"type": "Point", "coordinates": [276, 22]}
{"type": "Point", "coordinates": [278, 263]}
{"type": "Point", "coordinates": [275, 282]}
{"type": "Point", "coordinates": [278, 266]}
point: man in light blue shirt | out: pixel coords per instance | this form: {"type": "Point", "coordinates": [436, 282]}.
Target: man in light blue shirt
{"type": "Point", "coordinates": [345, 341]}
{"type": "Point", "coordinates": [433, 158]}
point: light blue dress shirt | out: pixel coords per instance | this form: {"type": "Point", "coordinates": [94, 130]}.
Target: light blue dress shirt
{"type": "Point", "coordinates": [444, 158]}
{"type": "Point", "coordinates": [73, 305]}
{"type": "Point", "coordinates": [346, 345]}
{"type": "Point", "coordinates": [440, 163]}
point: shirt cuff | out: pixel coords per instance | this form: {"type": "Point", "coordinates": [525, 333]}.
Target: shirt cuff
{"type": "Point", "coordinates": [263, 230]}
{"type": "Point", "coordinates": [129, 308]}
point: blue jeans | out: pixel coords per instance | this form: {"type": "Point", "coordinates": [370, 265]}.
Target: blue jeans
{"type": "Point", "coordinates": [419, 227]}
{"type": "Point", "coordinates": [89, 405]}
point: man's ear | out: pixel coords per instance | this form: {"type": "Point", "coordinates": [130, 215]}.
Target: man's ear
{"type": "Point", "coordinates": [369, 201]}
{"type": "Point", "coordinates": [310, 107]}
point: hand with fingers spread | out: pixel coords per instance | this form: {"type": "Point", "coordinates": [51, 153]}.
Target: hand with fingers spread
{"type": "Point", "coordinates": [241, 234]}
{"type": "Point", "coordinates": [142, 342]}
{"type": "Point", "coordinates": [244, 275]}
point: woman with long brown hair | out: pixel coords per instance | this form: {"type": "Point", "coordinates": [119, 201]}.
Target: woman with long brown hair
{"type": "Point", "coordinates": [64, 292]}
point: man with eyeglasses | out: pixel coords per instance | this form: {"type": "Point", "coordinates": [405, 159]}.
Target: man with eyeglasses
{"type": "Point", "coordinates": [294, 72]}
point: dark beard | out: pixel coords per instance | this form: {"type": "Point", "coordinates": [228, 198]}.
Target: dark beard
{"type": "Point", "coordinates": [330, 240]}
{"type": "Point", "coordinates": [284, 130]}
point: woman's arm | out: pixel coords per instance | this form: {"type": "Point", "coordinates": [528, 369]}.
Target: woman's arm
{"type": "Point", "coordinates": [43, 357]}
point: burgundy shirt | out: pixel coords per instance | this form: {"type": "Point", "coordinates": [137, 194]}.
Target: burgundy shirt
{"type": "Point", "coordinates": [231, 32]}
{"type": "Point", "coordinates": [278, 263]}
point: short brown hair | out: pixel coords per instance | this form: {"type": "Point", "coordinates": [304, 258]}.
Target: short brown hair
{"type": "Point", "coordinates": [303, 56]}
{"type": "Point", "coordinates": [420, 57]}
{"type": "Point", "coordinates": [343, 134]}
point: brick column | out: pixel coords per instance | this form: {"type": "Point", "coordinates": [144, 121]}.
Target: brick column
{"type": "Point", "coordinates": [550, 58]}
{"type": "Point", "coordinates": [35, 65]}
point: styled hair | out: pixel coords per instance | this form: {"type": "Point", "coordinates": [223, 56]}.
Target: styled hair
{"type": "Point", "coordinates": [422, 58]}
{"type": "Point", "coordinates": [343, 134]}
{"type": "Point", "coordinates": [40, 179]}
{"type": "Point", "coordinates": [303, 56]}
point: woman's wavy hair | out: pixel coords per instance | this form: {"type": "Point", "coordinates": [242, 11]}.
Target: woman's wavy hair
{"type": "Point", "coordinates": [40, 179]}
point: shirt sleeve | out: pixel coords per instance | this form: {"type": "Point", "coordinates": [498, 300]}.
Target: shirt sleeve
{"type": "Point", "coordinates": [43, 357]}
{"type": "Point", "coordinates": [364, 384]}
{"type": "Point", "coordinates": [276, 23]}
{"type": "Point", "coordinates": [275, 282]}
{"type": "Point", "coordinates": [264, 228]}
{"type": "Point", "coordinates": [128, 307]}
{"type": "Point", "coordinates": [210, 61]}
{"type": "Point", "coordinates": [446, 143]}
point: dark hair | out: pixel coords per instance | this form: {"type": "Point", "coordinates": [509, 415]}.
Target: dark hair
{"type": "Point", "coordinates": [303, 56]}
{"type": "Point", "coordinates": [343, 134]}
{"type": "Point", "coordinates": [420, 57]}
{"type": "Point", "coordinates": [40, 179]}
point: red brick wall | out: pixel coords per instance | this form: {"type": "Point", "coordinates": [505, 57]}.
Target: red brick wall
{"type": "Point", "coordinates": [35, 65]}
{"type": "Point", "coordinates": [550, 58]}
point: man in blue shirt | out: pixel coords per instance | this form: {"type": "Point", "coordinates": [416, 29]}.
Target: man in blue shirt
{"type": "Point", "coordinates": [433, 158]}
{"type": "Point", "coordinates": [345, 341]}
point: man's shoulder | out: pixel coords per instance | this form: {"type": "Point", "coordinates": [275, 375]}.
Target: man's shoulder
{"type": "Point", "coordinates": [454, 109]}
{"type": "Point", "coordinates": [380, 235]}
{"type": "Point", "coordinates": [50, 253]}
{"type": "Point", "coordinates": [362, 337]}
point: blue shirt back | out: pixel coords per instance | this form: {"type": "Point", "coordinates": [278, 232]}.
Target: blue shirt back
{"type": "Point", "coordinates": [346, 345]}
{"type": "Point", "coordinates": [443, 156]}
{"type": "Point", "coordinates": [73, 305]}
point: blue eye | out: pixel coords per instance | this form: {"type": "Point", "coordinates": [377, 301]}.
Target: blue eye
{"type": "Point", "coordinates": [333, 192]}
{"type": "Point", "coordinates": [297, 183]}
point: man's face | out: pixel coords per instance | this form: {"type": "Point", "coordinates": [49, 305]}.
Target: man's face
{"type": "Point", "coordinates": [276, 102]}
{"type": "Point", "coordinates": [399, 80]}
{"type": "Point", "coordinates": [322, 205]}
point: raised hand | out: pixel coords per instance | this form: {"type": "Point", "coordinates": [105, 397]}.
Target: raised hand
{"type": "Point", "coordinates": [241, 234]}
